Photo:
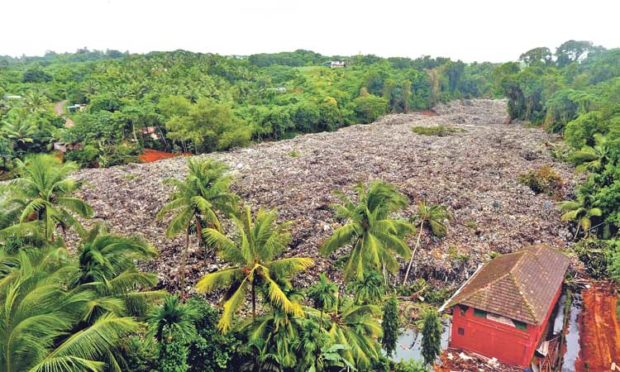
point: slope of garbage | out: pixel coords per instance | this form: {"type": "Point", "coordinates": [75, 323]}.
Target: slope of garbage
{"type": "Point", "coordinates": [474, 172]}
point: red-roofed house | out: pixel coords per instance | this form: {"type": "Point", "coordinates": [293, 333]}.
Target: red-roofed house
{"type": "Point", "coordinates": [502, 311]}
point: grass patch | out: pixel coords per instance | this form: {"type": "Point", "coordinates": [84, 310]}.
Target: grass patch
{"type": "Point", "coordinates": [130, 177]}
{"type": "Point", "coordinates": [439, 131]}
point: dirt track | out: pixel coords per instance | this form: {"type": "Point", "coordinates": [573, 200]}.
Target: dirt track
{"type": "Point", "coordinates": [599, 330]}
{"type": "Point", "coordinates": [474, 173]}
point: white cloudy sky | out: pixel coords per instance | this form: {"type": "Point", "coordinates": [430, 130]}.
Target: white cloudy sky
{"type": "Point", "coordinates": [492, 30]}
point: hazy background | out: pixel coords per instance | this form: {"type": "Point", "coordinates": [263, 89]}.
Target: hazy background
{"type": "Point", "coordinates": [468, 30]}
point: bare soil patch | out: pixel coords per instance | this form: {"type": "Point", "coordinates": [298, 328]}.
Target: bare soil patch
{"type": "Point", "coordinates": [599, 329]}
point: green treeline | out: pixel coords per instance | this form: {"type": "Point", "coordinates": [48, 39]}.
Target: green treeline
{"type": "Point", "coordinates": [576, 92]}
{"type": "Point", "coordinates": [182, 101]}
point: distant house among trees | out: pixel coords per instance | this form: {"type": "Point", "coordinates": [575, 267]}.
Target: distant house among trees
{"type": "Point", "coordinates": [503, 310]}
{"type": "Point", "coordinates": [76, 107]}
{"type": "Point", "coordinates": [151, 132]}
{"type": "Point", "coordinates": [11, 97]}
{"type": "Point", "coordinates": [337, 64]}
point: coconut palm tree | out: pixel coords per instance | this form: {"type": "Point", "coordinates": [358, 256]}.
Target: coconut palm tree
{"type": "Point", "coordinates": [41, 325]}
{"type": "Point", "coordinates": [107, 265]}
{"type": "Point", "coordinates": [356, 327]}
{"type": "Point", "coordinates": [36, 103]}
{"type": "Point", "coordinates": [375, 237]}
{"type": "Point", "coordinates": [580, 211]}
{"type": "Point", "coordinates": [20, 133]}
{"type": "Point", "coordinates": [196, 201]}
{"type": "Point", "coordinates": [253, 256]}
{"type": "Point", "coordinates": [432, 217]}
{"type": "Point", "coordinates": [43, 197]}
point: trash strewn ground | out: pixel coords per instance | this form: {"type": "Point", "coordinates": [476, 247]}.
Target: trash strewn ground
{"type": "Point", "coordinates": [474, 173]}
{"type": "Point", "coordinates": [457, 360]}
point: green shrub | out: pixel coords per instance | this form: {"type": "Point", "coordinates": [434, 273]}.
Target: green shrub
{"type": "Point", "coordinates": [439, 131]}
{"type": "Point", "coordinates": [409, 366]}
{"type": "Point", "coordinates": [86, 156]}
{"type": "Point", "coordinates": [580, 132]}
{"type": "Point", "coordinates": [369, 108]}
{"type": "Point", "coordinates": [543, 180]}
{"type": "Point", "coordinates": [598, 257]}
{"type": "Point", "coordinates": [210, 350]}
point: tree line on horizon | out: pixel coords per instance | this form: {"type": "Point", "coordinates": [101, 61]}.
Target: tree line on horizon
{"type": "Point", "coordinates": [191, 102]}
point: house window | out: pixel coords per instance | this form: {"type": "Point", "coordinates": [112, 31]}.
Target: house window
{"type": "Point", "coordinates": [463, 309]}
{"type": "Point", "coordinates": [519, 325]}
{"type": "Point", "coordinates": [480, 313]}
{"type": "Point", "coordinates": [461, 331]}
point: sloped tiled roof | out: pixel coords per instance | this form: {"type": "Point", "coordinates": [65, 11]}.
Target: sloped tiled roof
{"type": "Point", "coordinates": [519, 285]}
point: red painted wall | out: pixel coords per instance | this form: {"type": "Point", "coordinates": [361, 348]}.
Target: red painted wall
{"type": "Point", "coordinates": [508, 344]}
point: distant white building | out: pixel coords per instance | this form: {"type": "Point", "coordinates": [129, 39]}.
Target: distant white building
{"type": "Point", "coordinates": [75, 108]}
{"type": "Point", "coordinates": [337, 64]}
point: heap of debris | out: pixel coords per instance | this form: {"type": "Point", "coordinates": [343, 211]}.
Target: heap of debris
{"type": "Point", "coordinates": [456, 360]}
{"type": "Point", "coordinates": [473, 172]}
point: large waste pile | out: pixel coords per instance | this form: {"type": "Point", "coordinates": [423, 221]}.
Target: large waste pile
{"type": "Point", "coordinates": [473, 172]}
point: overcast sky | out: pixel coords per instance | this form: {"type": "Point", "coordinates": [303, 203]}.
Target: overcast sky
{"type": "Point", "coordinates": [491, 30]}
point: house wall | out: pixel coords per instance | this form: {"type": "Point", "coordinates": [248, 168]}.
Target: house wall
{"type": "Point", "coordinates": [508, 344]}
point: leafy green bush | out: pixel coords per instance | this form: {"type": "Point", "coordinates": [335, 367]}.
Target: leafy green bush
{"type": "Point", "coordinates": [210, 350]}
{"type": "Point", "coordinates": [597, 256]}
{"type": "Point", "coordinates": [543, 180]}
{"type": "Point", "coordinates": [580, 132]}
{"type": "Point", "coordinates": [439, 130]}
{"type": "Point", "coordinates": [564, 106]}
{"type": "Point", "coordinates": [409, 366]}
{"type": "Point", "coordinates": [369, 108]}
{"type": "Point", "coordinates": [85, 157]}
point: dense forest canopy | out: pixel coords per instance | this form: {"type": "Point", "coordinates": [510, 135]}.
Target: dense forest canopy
{"type": "Point", "coordinates": [90, 307]}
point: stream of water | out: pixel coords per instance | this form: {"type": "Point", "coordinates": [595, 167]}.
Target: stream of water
{"type": "Point", "coordinates": [572, 337]}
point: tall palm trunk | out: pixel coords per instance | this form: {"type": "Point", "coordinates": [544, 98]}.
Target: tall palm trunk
{"type": "Point", "coordinates": [199, 230]}
{"type": "Point", "coordinates": [184, 263]}
{"type": "Point", "coordinates": [417, 244]}
{"type": "Point", "coordinates": [253, 301]}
